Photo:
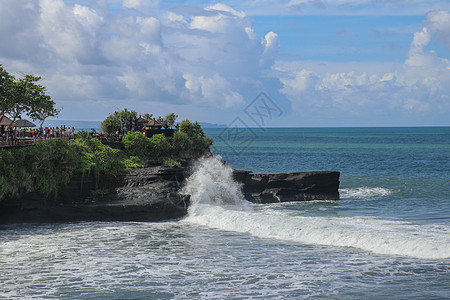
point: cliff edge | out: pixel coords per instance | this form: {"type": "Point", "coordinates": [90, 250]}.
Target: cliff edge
{"type": "Point", "coordinates": [152, 194]}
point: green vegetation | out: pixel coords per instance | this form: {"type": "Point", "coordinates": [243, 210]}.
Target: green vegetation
{"type": "Point", "coordinates": [123, 121]}
{"type": "Point", "coordinates": [25, 96]}
{"type": "Point", "coordinates": [48, 166]}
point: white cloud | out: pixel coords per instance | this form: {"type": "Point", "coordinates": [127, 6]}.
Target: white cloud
{"type": "Point", "coordinates": [419, 85]}
{"type": "Point", "coordinates": [439, 24]}
{"type": "Point", "coordinates": [271, 45]}
{"type": "Point", "coordinates": [140, 4]}
{"type": "Point", "coordinates": [71, 32]}
{"type": "Point", "coordinates": [206, 58]}
{"type": "Point", "coordinates": [339, 7]}
{"type": "Point", "coordinates": [216, 88]}
{"type": "Point", "coordinates": [210, 58]}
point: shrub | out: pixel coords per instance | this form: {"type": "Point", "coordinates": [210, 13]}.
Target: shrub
{"type": "Point", "coordinates": [106, 160]}
{"type": "Point", "coordinates": [137, 144]}
{"type": "Point", "coordinates": [191, 129]}
{"type": "Point", "coordinates": [83, 134]}
{"type": "Point", "coordinates": [159, 145]}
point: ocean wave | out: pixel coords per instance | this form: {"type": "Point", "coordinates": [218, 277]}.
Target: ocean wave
{"type": "Point", "coordinates": [380, 236]}
{"type": "Point", "coordinates": [218, 203]}
{"type": "Point", "coordinates": [364, 192]}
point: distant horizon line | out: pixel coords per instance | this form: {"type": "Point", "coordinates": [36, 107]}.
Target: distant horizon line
{"type": "Point", "coordinates": [222, 126]}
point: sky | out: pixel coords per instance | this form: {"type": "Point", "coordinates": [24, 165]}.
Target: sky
{"type": "Point", "coordinates": [256, 63]}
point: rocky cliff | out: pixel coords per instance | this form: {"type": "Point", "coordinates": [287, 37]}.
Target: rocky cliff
{"type": "Point", "coordinates": [286, 187]}
{"type": "Point", "coordinates": [148, 194]}
{"type": "Point", "coordinates": [152, 194]}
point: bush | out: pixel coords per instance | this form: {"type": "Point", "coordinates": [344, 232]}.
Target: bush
{"type": "Point", "coordinates": [83, 134]}
{"type": "Point", "coordinates": [190, 139]}
{"type": "Point", "coordinates": [180, 141]}
{"type": "Point", "coordinates": [159, 145]}
{"type": "Point", "coordinates": [191, 129]}
{"type": "Point", "coordinates": [137, 144]}
{"type": "Point", "coordinates": [104, 159]}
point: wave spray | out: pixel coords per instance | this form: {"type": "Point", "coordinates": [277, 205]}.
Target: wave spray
{"type": "Point", "coordinates": [217, 202]}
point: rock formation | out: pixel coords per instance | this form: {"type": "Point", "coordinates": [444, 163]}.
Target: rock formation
{"type": "Point", "coordinates": [286, 187]}
{"type": "Point", "coordinates": [152, 194]}
{"type": "Point", "coordinates": [148, 194]}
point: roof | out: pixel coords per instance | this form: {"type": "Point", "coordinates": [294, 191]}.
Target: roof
{"type": "Point", "coordinates": [23, 123]}
{"type": "Point", "coordinates": [154, 123]}
{"type": "Point", "coordinates": [4, 120]}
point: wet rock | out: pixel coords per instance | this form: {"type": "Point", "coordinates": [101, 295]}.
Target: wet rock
{"type": "Point", "coordinates": [148, 194]}
{"type": "Point", "coordinates": [286, 187]}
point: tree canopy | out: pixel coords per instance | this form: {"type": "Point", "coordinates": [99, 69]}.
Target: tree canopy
{"type": "Point", "coordinates": [125, 120]}
{"type": "Point", "coordinates": [25, 96]}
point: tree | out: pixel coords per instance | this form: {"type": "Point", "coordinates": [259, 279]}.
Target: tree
{"type": "Point", "coordinates": [148, 117]}
{"type": "Point", "coordinates": [160, 120]}
{"type": "Point", "coordinates": [137, 144]}
{"type": "Point", "coordinates": [25, 96]}
{"type": "Point", "coordinates": [41, 106]}
{"type": "Point", "coordinates": [170, 119]}
{"type": "Point", "coordinates": [31, 98]}
{"type": "Point", "coordinates": [159, 145]}
{"type": "Point", "coordinates": [6, 83]}
{"type": "Point", "coordinates": [122, 121]}
{"type": "Point", "coordinates": [190, 138]}
{"type": "Point", "coordinates": [191, 129]}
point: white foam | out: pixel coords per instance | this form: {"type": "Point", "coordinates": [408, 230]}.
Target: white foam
{"type": "Point", "coordinates": [217, 203]}
{"type": "Point", "coordinates": [364, 192]}
{"type": "Point", "coordinates": [212, 183]}
{"type": "Point", "coordinates": [370, 234]}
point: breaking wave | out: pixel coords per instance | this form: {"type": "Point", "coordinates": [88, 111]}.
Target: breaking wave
{"type": "Point", "coordinates": [217, 202]}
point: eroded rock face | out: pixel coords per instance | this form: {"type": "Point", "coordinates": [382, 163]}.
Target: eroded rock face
{"type": "Point", "coordinates": [148, 194]}
{"type": "Point", "coordinates": [152, 194]}
{"type": "Point", "coordinates": [285, 187]}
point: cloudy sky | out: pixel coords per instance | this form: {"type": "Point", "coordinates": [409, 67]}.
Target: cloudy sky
{"type": "Point", "coordinates": [320, 62]}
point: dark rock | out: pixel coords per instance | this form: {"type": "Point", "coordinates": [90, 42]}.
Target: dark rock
{"type": "Point", "coordinates": [285, 187]}
{"type": "Point", "coordinates": [148, 194]}
{"type": "Point", "coordinates": [152, 194]}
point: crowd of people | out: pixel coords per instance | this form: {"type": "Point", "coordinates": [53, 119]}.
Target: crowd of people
{"type": "Point", "coordinates": [106, 138]}
{"type": "Point", "coordinates": [14, 135]}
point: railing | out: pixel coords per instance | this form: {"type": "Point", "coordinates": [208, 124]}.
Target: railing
{"type": "Point", "coordinates": [28, 141]}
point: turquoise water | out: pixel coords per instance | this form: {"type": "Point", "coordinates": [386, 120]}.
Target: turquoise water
{"type": "Point", "coordinates": [410, 165]}
{"type": "Point", "coordinates": [387, 238]}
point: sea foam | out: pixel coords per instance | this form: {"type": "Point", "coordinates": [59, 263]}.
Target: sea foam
{"type": "Point", "coordinates": [217, 202]}
{"type": "Point", "coordinates": [364, 192]}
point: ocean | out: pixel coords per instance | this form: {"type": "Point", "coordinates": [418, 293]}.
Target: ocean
{"type": "Point", "coordinates": [388, 237]}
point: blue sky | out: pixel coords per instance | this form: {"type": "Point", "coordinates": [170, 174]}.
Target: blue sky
{"type": "Point", "coordinates": [321, 62]}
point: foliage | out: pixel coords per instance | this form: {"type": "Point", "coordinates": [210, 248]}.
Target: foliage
{"type": "Point", "coordinates": [180, 141]}
{"type": "Point", "coordinates": [159, 145]}
{"type": "Point", "coordinates": [25, 96]}
{"type": "Point", "coordinates": [168, 161]}
{"type": "Point", "coordinates": [170, 119]}
{"type": "Point", "coordinates": [190, 138]}
{"type": "Point", "coordinates": [83, 134]}
{"type": "Point", "coordinates": [137, 144]}
{"type": "Point", "coordinates": [43, 168]}
{"type": "Point", "coordinates": [47, 166]}
{"type": "Point", "coordinates": [6, 83]}
{"type": "Point", "coordinates": [148, 117]}
{"type": "Point", "coordinates": [104, 159]}
{"type": "Point", "coordinates": [191, 129]}
{"type": "Point", "coordinates": [120, 121]}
